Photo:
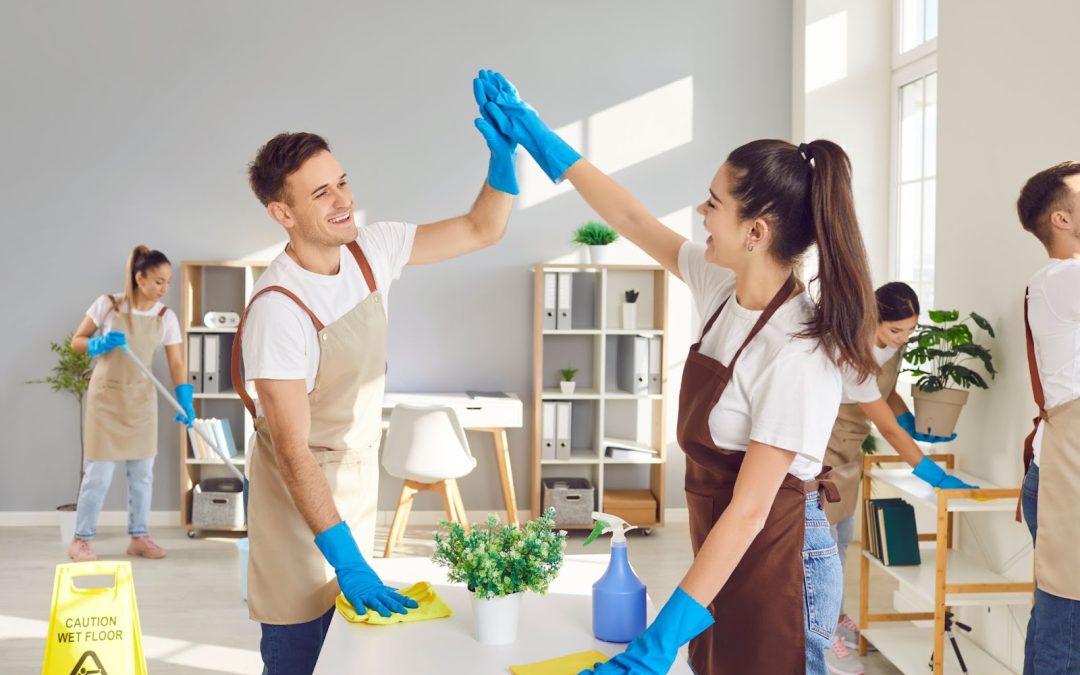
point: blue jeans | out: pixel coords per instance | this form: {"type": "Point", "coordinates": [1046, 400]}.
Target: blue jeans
{"type": "Point", "coordinates": [293, 649]}
{"type": "Point", "coordinates": [823, 585]}
{"type": "Point", "coordinates": [97, 475]}
{"type": "Point", "coordinates": [843, 532]}
{"type": "Point", "coordinates": [1052, 646]}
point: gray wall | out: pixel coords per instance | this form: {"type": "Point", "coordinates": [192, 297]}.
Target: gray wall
{"type": "Point", "coordinates": [127, 122]}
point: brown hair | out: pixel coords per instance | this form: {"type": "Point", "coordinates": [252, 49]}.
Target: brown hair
{"type": "Point", "coordinates": [142, 260]}
{"type": "Point", "coordinates": [805, 194]}
{"type": "Point", "coordinates": [1041, 195]}
{"type": "Point", "coordinates": [282, 155]}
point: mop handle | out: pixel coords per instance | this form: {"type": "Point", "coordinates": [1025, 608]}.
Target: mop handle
{"type": "Point", "coordinates": [179, 408]}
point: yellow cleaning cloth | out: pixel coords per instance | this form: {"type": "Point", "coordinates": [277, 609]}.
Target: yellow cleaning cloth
{"type": "Point", "coordinates": [571, 664]}
{"type": "Point", "coordinates": [431, 606]}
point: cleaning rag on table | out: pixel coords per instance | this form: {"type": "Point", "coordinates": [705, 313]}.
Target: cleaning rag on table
{"type": "Point", "coordinates": [571, 664]}
{"type": "Point", "coordinates": [431, 606]}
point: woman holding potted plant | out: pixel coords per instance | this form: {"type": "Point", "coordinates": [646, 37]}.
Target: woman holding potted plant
{"type": "Point", "coordinates": [121, 409]}
{"type": "Point", "coordinates": [759, 394]}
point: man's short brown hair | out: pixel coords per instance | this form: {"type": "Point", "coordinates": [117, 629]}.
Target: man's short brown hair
{"type": "Point", "coordinates": [282, 155]}
{"type": "Point", "coordinates": [1042, 194]}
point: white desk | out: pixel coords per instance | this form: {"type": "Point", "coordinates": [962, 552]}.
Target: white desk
{"type": "Point", "coordinates": [492, 415]}
{"type": "Point", "coordinates": [551, 625]}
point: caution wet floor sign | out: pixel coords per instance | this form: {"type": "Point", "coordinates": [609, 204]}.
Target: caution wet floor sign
{"type": "Point", "coordinates": [94, 625]}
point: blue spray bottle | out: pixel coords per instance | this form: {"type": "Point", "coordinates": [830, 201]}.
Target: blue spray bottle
{"type": "Point", "coordinates": [618, 598]}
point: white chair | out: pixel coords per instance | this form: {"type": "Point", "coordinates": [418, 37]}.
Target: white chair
{"type": "Point", "coordinates": [425, 447]}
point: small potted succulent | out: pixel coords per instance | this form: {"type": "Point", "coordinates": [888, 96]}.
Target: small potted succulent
{"type": "Point", "coordinates": [597, 236]}
{"type": "Point", "coordinates": [498, 563]}
{"type": "Point", "coordinates": [629, 310]}
{"type": "Point", "coordinates": [567, 384]}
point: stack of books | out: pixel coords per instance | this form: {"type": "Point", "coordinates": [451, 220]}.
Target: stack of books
{"type": "Point", "coordinates": [618, 448]}
{"type": "Point", "coordinates": [890, 528]}
{"type": "Point", "coordinates": [219, 430]}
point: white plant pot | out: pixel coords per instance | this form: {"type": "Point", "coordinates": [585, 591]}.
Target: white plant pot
{"type": "Point", "coordinates": [497, 618]}
{"type": "Point", "coordinates": [599, 255]}
{"type": "Point", "coordinates": [937, 412]}
{"type": "Point", "coordinates": [629, 316]}
{"type": "Point", "coordinates": [567, 387]}
{"type": "Point", "coordinates": [67, 525]}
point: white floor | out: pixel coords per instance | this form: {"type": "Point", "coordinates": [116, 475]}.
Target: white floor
{"type": "Point", "coordinates": [193, 621]}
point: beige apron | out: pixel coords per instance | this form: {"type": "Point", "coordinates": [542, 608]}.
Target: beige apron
{"type": "Point", "coordinates": [1057, 541]}
{"type": "Point", "coordinates": [289, 581]}
{"type": "Point", "coordinates": [844, 452]}
{"type": "Point", "coordinates": [121, 405]}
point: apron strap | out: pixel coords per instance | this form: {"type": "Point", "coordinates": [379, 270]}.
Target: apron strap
{"type": "Point", "coordinates": [1037, 394]}
{"type": "Point", "coordinates": [774, 304]}
{"type": "Point", "coordinates": [161, 314]}
{"type": "Point", "coordinates": [361, 260]}
{"type": "Point", "coordinates": [711, 321]}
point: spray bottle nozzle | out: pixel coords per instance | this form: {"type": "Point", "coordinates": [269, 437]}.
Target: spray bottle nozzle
{"type": "Point", "coordinates": [605, 522]}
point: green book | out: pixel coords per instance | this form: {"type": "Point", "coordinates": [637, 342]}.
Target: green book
{"type": "Point", "coordinates": [899, 539]}
{"type": "Point", "coordinates": [872, 526]}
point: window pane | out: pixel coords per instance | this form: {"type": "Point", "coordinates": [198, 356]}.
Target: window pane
{"type": "Point", "coordinates": [931, 19]}
{"type": "Point", "coordinates": [911, 130]}
{"type": "Point", "coordinates": [909, 233]}
{"type": "Point", "coordinates": [929, 217]}
{"type": "Point", "coordinates": [912, 24]}
{"type": "Point", "coordinates": [930, 137]}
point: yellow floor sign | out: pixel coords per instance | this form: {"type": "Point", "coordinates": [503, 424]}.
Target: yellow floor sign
{"type": "Point", "coordinates": [94, 625]}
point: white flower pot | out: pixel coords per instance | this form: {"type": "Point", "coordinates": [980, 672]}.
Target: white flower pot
{"type": "Point", "coordinates": [936, 413]}
{"type": "Point", "coordinates": [629, 316]}
{"type": "Point", "coordinates": [497, 618]}
{"type": "Point", "coordinates": [567, 387]}
{"type": "Point", "coordinates": [67, 524]}
{"type": "Point", "coordinates": [598, 255]}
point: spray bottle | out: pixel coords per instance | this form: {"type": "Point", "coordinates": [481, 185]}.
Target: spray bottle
{"type": "Point", "coordinates": [618, 598]}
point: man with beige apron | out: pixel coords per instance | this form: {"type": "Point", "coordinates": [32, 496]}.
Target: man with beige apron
{"type": "Point", "coordinates": [313, 339]}
{"type": "Point", "coordinates": [1049, 208]}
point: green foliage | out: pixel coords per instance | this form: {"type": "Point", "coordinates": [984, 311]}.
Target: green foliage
{"type": "Point", "coordinates": [494, 560]}
{"type": "Point", "coordinates": [568, 373]}
{"type": "Point", "coordinates": [938, 351]}
{"type": "Point", "coordinates": [869, 445]}
{"type": "Point", "coordinates": [595, 233]}
{"type": "Point", "coordinates": [71, 373]}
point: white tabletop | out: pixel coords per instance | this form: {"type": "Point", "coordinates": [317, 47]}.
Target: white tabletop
{"type": "Point", "coordinates": [475, 413]}
{"type": "Point", "coordinates": [552, 625]}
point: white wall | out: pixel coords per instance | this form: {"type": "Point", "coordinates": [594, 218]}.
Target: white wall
{"type": "Point", "coordinates": [130, 122]}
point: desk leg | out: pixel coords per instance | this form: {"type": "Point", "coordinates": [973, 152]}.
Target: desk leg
{"type": "Point", "coordinates": [502, 458]}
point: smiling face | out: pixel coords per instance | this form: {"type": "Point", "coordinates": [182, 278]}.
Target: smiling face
{"type": "Point", "coordinates": [318, 205]}
{"type": "Point", "coordinates": [153, 284]}
{"type": "Point", "coordinates": [729, 234]}
{"type": "Point", "coordinates": [895, 334]}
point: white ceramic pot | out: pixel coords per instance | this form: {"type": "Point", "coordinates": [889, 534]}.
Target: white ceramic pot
{"type": "Point", "coordinates": [567, 387]}
{"type": "Point", "coordinates": [629, 316]}
{"type": "Point", "coordinates": [936, 413]}
{"type": "Point", "coordinates": [67, 523]}
{"type": "Point", "coordinates": [497, 618]}
{"type": "Point", "coordinates": [598, 255]}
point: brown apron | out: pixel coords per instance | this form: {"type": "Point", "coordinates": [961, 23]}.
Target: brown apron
{"type": "Point", "coordinates": [121, 405]}
{"type": "Point", "coordinates": [289, 581]}
{"type": "Point", "coordinates": [759, 618]}
{"type": "Point", "coordinates": [844, 452]}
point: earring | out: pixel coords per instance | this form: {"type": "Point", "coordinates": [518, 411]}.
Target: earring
{"type": "Point", "coordinates": [749, 246]}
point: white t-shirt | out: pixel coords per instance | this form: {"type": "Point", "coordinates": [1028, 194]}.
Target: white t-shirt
{"type": "Point", "coordinates": [105, 318]}
{"type": "Point", "coordinates": [785, 391]}
{"type": "Point", "coordinates": [868, 390]}
{"type": "Point", "coordinates": [1054, 315]}
{"type": "Point", "coordinates": [279, 340]}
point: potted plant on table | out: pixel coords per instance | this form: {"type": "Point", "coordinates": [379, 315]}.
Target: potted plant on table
{"type": "Point", "coordinates": [498, 563]}
{"type": "Point", "coordinates": [597, 236]}
{"type": "Point", "coordinates": [567, 384]}
{"type": "Point", "coordinates": [71, 374]}
{"type": "Point", "coordinates": [939, 353]}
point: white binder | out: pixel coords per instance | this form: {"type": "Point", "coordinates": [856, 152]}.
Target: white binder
{"type": "Point", "coordinates": [547, 431]}
{"type": "Point", "coordinates": [211, 382]}
{"type": "Point", "coordinates": [562, 430]}
{"type": "Point", "coordinates": [550, 285]}
{"type": "Point", "coordinates": [194, 360]}
{"type": "Point", "coordinates": [565, 296]}
{"type": "Point", "coordinates": [632, 369]}
{"type": "Point", "coordinates": [655, 367]}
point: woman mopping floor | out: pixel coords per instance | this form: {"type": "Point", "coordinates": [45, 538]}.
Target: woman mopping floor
{"type": "Point", "coordinates": [121, 409]}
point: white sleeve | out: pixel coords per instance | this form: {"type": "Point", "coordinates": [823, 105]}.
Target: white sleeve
{"type": "Point", "coordinates": [793, 404]}
{"type": "Point", "coordinates": [275, 339]}
{"type": "Point", "coordinates": [866, 391]}
{"type": "Point", "coordinates": [171, 334]}
{"type": "Point", "coordinates": [1063, 293]}
{"type": "Point", "coordinates": [99, 310]}
{"type": "Point", "coordinates": [388, 246]}
{"type": "Point", "coordinates": [706, 280]}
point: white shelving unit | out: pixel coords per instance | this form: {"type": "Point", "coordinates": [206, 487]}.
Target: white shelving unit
{"type": "Point", "coordinates": [946, 578]}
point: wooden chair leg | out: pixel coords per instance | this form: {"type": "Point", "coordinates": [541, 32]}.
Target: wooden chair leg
{"type": "Point", "coordinates": [400, 520]}
{"type": "Point", "coordinates": [448, 501]}
{"type": "Point", "coordinates": [459, 506]}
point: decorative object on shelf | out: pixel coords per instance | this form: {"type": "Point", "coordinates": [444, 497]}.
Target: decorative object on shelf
{"type": "Point", "coordinates": [567, 385]}
{"type": "Point", "coordinates": [498, 563]}
{"type": "Point", "coordinates": [937, 353]}
{"type": "Point", "coordinates": [221, 319]}
{"type": "Point", "coordinates": [71, 374]}
{"type": "Point", "coordinates": [597, 236]}
{"type": "Point", "coordinates": [629, 310]}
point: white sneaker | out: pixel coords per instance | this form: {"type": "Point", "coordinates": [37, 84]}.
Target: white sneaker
{"type": "Point", "coordinates": [841, 661]}
{"type": "Point", "coordinates": [848, 632]}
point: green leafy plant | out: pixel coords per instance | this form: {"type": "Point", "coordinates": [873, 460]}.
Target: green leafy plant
{"type": "Point", "coordinates": [595, 233]}
{"type": "Point", "coordinates": [494, 560]}
{"type": "Point", "coordinates": [568, 373]}
{"type": "Point", "coordinates": [869, 445]}
{"type": "Point", "coordinates": [938, 352]}
{"type": "Point", "coordinates": [632, 295]}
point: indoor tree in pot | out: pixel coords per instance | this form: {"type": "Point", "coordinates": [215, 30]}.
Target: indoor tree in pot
{"type": "Point", "coordinates": [938, 353]}
{"type": "Point", "coordinates": [596, 236]}
{"type": "Point", "coordinates": [498, 563]}
{"type": "Point", "coordinates": [71, 374]}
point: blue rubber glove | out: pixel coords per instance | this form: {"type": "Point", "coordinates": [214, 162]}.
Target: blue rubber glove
{"type": "Point", "coordinates": [501, 174]}
{"type": "Point", "coordinates": [936, 476]}
{"type": "Point", "coordinates": [185, 396]}
{"type": "Point", "coordinates": [521, 123]}
{"type": "Point", "coordinates": [359, 583]}
{"type": "Point", "coordinates": [96, 346]}
{"type": "Point", "coordinates": [907, 423]}
{"type": "Point", "coordinates": [653, 652]}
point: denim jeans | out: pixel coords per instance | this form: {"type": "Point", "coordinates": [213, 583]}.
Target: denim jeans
{"type": "Point", "coordinates": [823, 583]}
{"type": "Point", "coordinates": [293, 649]}
{"type": "Point", "coordinates": [97, 475]}
{"type": "Point", "coordinates": [1052, 646]}
{"type": "Point", "coordinates": [843, 532]}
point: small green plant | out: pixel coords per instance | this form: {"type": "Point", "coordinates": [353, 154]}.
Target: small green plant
{"type": "Point", "coordinates": [494, 560]}
{"type": "Point", "coordinates": [869, 445]}
{"type": "Point", "coordinates": [939, 351]}
{"type": "Point", "coordinates": [595, 233]}
{"type": "Point", "coordinates": [632, 295]}
{"type": "Point", "coordinates": [568, 373]}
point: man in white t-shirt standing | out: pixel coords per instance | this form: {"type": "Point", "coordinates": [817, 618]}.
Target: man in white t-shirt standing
{"type": "Point", "coordinates": [313, 339]}
{"type": "Point", "coordinates": [1049, 208]}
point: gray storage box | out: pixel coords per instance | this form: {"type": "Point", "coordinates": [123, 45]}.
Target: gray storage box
{"type": "Point", "coordinates": [573, 499]}
{"type": "Point", "coordinates": [218, 503]}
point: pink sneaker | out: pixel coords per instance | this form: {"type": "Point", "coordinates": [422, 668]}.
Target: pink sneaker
{"type": "Point", "coordinates": [144, 546]}
{"type": "Point", "coordinates": [80, 550]}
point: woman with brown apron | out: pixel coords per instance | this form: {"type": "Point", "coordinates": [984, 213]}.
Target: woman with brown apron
{"type": "Point", "coordinates": [121, 405]}
{"type": "Point", "coordinates": [760, 390]}
{"type": "Point", "coordinates": [875, 401]}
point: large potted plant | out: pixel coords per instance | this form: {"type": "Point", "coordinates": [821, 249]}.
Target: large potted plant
{"type": "Point", "coordinates": [597, 236]}
{"type": "Point", "coordinates": [498, 563]}
{"type": "Point", "coordinates": [940, 353]}
{"type": "Point", "coordinates": [71, 374]}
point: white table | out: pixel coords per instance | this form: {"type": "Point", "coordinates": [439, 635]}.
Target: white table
{"type": "Point", "coordinates": [552, 625]}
